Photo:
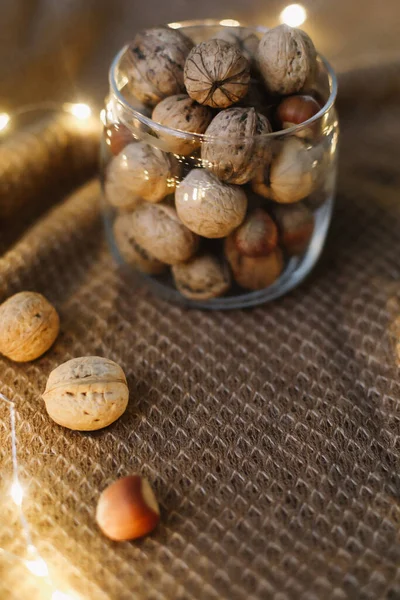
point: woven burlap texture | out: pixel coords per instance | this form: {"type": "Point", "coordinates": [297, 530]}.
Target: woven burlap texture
{"type": "Point", "coordinates": [271, 436]}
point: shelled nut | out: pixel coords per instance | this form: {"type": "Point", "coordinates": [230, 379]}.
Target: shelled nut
{"type": "Point", "coordinates": [159, 231]}
{"type": "Point", "coordinates": [209, 207]}
{"type": "Point", "coordinates": [257, 235]}
{"type": "Point", "coordinates": [291, 175]}
{"type": "Point", "coordinates": [127, 509]}
{"type": "Point", "coordinates": [139, 172]}
{"type": "Point", "coordinates": [236, 147]}
{"type": "Point", "coordinates": [130, 250]}
{"type": "Point", "coordinates": [183, 113]}
{"type": "Point", "coordinates": [216, 73]}
{"type": "Point", "coordinates": [296, 226]}
{"type": "Point", "coordinates": [202, 277]}
{"type": "Point", "coordinates": [86, 393]}
{"type": "Point", "coordinates": [29, 325]}
{"type": "Point", "coordinates": [154, 63]}
{"type": "Point", "coordinates": [253, 273]}
{"type": "Point", "coordinates": [287, 59]}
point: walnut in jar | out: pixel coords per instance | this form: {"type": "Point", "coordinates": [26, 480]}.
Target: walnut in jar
{"type": "Point", "coordinates": [237, 145]}
{"type": "Point", "coordinates": [154, 64]}
{"type": "Point", "coordinates": [185, 114]}
{"type": "Point", "coordinates": [216, 73]}
{"type": "Point", "coordinates": [291, 175]}
{"type": "Point", "coordinates": [139, 172]}
{"type": "Point", "coordinates": [29, 325]}
{"type": "Point", "coordinates": [209, 207]}
{"type": "Point", "coordinates": [245, 39]}
{"type": "Point", "coordinates": [296, 226]}
{"type": "Point", "coordinates": [253, 273]}
{"type": "Point", "coordinates": [201, 278]}
{"type": "Point", "coordinates": [159, 231]}
{"type": "Point", "coordinates": [287, 59]}
{"type": "Point", "coordinates": [130, 250]}
{"type": "Point", "coordinates": [86, 393]}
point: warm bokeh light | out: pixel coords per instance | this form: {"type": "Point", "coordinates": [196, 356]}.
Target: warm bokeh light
{"type": "Point", "coordinates": [17, 493]}
{"type": "Point", "coordinates": [229, 23]}
{"type": "Point", "coordinates": [294, 15]}
{"type": "Point", "coordinates": [175, 25]}
{"type": "Point", "coordinates": [4, 120]}
{"type": "Point", "coordinates": [79, 110]}
{"type": "Point", "coordinates": [37, 567]}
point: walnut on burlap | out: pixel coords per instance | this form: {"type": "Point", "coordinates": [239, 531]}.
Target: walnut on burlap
{"type": "Point", "coordinates": [271, 435]}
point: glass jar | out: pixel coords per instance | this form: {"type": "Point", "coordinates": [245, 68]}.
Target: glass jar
{"type": "Point", "coordinates": [157, 181]}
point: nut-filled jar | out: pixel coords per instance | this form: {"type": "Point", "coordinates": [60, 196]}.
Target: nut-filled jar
{"type": "Point", "coordinates": [219, 197]}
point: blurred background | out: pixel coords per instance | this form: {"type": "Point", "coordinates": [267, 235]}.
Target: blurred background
{"type": "Point", "coordinates": [61, 49]}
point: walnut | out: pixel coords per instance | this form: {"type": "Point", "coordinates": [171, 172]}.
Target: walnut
{"type": "Point", "coordinates": [86, 393]}
{"type": "Point", "coordinates": [202, 277]}
{"type": "Point", "coordinates": [253, 273]}
{"type": "Point", "coordinates": [287, 59]}
{"type": "Point", "coordinates": [130, 250]}
{"type": "Point", "coordinates": [139, 172]}
{"type": "Point", "coordinates": [257, 235]}
{"type": "Point", "coordinates": [154, 63]}
{"type": "Point", "coordinates": [238, 146]}
{"type": "Point", "coordinates": [291, 175]}
{"type": "Point", "coordinates": [216, 74]}
{"type": "Point", "coordinates": [245, 39]}
{"type": "Point", "coordinates": [183, 113]}
{"type": "Point", "coordinates": [296, 226]}
{"type": "Point", "coordinates": [158, 230]}
{"type": "Point", "coordinates": [29, 325]}
{"type": "Point", "coordinates": [209, 207]}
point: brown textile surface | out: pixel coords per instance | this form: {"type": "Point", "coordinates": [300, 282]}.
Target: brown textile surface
{"type": "Point", "coordinates": [271, 435]}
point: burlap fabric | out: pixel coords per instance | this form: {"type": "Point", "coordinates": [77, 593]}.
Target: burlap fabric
{"type": "Point", "coordinates": [271, 435]}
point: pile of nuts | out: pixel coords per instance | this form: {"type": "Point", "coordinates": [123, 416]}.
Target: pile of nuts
{"type": "Point", "coordinates": [211, 171]}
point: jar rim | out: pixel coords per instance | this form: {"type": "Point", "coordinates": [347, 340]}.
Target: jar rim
{"type": "Point", "coordinates": [201, 137]}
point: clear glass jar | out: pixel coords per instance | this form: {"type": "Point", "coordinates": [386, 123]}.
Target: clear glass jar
{"type": "Point", "coordinates": [145, 163]}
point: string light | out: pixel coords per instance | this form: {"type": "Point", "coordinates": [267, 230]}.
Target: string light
{"type": "Point", "coordinates": [294, 15]}
{"type": "Point", "coordinates": [4, 121]}
{"type": "Point", "coordinates": [36, 565]}
{"type": "Point", "coordinates": [79, 110]}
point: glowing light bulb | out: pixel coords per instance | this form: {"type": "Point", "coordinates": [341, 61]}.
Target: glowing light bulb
{"type": "Point", "coordinates": [4, 120]}
{"type": "Point", "coordinates": [80, 111]}
{"type": "Point", "coordinates": [37, 567]}
{"type": "Point", "coordinates": [17, 493]}
{"type": "Point", "coordinates": [294, 15]}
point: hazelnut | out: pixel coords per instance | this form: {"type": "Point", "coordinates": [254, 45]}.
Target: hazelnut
{"type": "Point", "coordinates": [236, 147]}
{"type": "Point", "coordinates": [183, 113]}
{"type": "Point", "coordinates": [130, 250]}
{"type": "Point", "coordinates": [154, 63]}
{"type": "Point", "coordinates": [207, 206]}
{"type": "Point", "coordinates": [29, 325]}
{"type": "Point", "coordinates": [253, 273]}
{"type": "Point", "coordinates": [139, 172]}
{"type": "Point", "coordinates": [117, 136]}
{"type": "Point", "coordinates": [86, 393]}
{"type": "Point", "coordinates": [296, 226]}
{"type": "Point", "coordinates": [127, 509]}
{"type": "Point", "coordinates": [295, 110]}
{"type": "Point", "coordinates": [290, 177]}
{"type": "Point", "coordinates": [246, 40]}
{"type": "Point", "coordinates": [257, 235]}
{"type": "Point", "coordinates": [202, 277]}
{"type": "Point", "coordinates": [216, 74]}
{"type": "Point", "coordinates": [158, 230]}
{"type": "Point", "coordinates": [287, 59]}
